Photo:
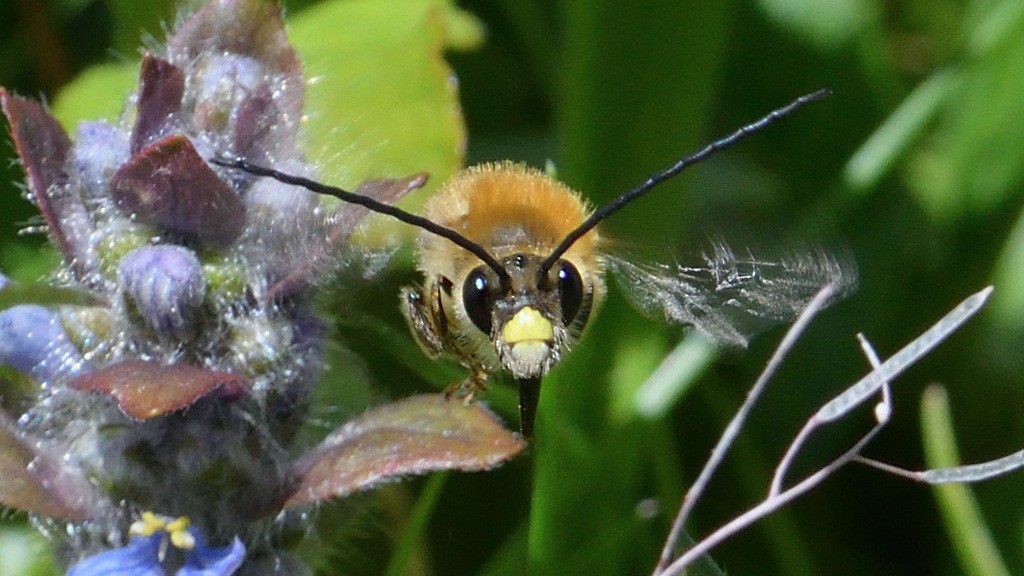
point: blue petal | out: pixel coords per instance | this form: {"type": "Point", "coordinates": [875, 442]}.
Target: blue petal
{"type": "Point", "coordinates": [206, 561]}
{"type": "Point", "coordinates": [99, 149]}
{"type": "Point", "coordinates": [139, 558]}
{"type": "Point", "coordinates": [33, 341]}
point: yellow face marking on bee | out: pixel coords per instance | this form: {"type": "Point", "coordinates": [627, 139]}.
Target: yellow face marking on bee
{"type": "Point", "coordinates": [528, 326]}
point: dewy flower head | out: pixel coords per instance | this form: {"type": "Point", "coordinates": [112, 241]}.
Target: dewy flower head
{"type": "Point", "coordinates": [179, 375]}
{"type": "Point", "coordinates": [153, 545]}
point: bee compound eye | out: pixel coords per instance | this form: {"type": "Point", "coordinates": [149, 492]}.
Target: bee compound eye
{"type": "Point", "coordinates": [570, 291]}
{"type": "Point", "coordinates": [476, 298]}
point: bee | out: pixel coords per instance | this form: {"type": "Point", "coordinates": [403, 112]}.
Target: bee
{"type": "Point", "coordinates": [513, 269]}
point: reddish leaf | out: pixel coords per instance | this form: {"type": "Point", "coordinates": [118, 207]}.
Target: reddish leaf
{"type": "Point", "coordinates": [145, 390]}
{"type": "Point", "coordinates": [169, 185]}
{"type": "Point", "coordinates": [161, 85]}
{"type": "Point", "coordinates": [37, 481]}
{"type": "Point", "coordinates": [388, 190]}
{"type": "Point", "coordinates": [255, 134]}
{"type": "Point", "coordinates": [43, 148]}
{"type": "Point", "coordinates": [413, 436]}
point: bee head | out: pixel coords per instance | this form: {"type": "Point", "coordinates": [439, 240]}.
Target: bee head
{"type": "Point", "coordinates": [533, 317]}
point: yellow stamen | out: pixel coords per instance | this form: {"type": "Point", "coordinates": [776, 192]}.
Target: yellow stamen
{"type": "Point", "coordinates": [151, 523]}
{"type": "Point", "coordinates": [180, 536]}
{"type": "Point", "coordinates": [183, 539]}
{"type": "Point", "coordinates": [179, 523]}
{"type": "Point", "coordinates": [148, 525]}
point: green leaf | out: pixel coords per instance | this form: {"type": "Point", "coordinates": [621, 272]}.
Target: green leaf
{"type": "Point", "coordinates": [893, 137]}
{"type": "Point", "coordinates": [677, 374]}
{"type": "Point", "coordinates": [974, 162]}
{"type": "Point", "coordinates": [635, 360]}
{"type": "Point", "coordinates": [21, 550]}
{"type": "Point", "coordinates": [415, 532]}
{"type": "Point", "coordinates": [134, 20]}
{"type": "Point", "coordinates": [828, 24]}
{"type": "Point", "coordinates": [381, 101]}
{"type": "Point", "coordinates": [42, 294]}
{"type": "Point", "coordinates": [98, 93]}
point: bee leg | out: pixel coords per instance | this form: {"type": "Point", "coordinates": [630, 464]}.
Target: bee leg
{"type": "Point", "coordinates": [454, 389]}
{"type": "Point", "coordinates": [422, 322]}
{"type": "Point", "coordinates": [470, 387]}
{"type": "Point", "coordinates": [426, 317]}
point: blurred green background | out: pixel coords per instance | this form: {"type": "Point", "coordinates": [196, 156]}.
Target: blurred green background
{"type": "Point", "coordinates": [915, 166]}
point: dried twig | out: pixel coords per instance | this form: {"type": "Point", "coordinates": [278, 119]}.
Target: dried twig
{"type": "Point", "coordinates": [877, 381]}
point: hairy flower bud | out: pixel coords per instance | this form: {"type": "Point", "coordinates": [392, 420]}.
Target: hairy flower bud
{"type": "Point", "coordinates": [165, 284]}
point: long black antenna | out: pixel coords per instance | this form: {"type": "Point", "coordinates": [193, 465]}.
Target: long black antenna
{"type": "Point", "coordinates": [627, 197]}
{"type": "Point", "coordinates": [373, 205]}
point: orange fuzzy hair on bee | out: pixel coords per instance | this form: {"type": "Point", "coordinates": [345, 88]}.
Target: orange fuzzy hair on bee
{"type": "Point", "coordinates": [502, 206]}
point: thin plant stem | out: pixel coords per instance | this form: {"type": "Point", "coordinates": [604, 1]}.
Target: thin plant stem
{"type": "Point", "coordinates": [851, 398]}
{"type": "Point", "coordinates": [728, 437]}
{"type": "Point", "coordinates": [769, 505]}
{"type": "Point", "coordinates": [882, 413]}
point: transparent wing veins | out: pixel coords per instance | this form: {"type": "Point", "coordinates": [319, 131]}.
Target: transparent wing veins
{"type": "Point", "coordinates": [730, 298]}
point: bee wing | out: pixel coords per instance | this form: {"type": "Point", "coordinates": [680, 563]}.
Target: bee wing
{"type": "Point", "coordinates": [730, 297]}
